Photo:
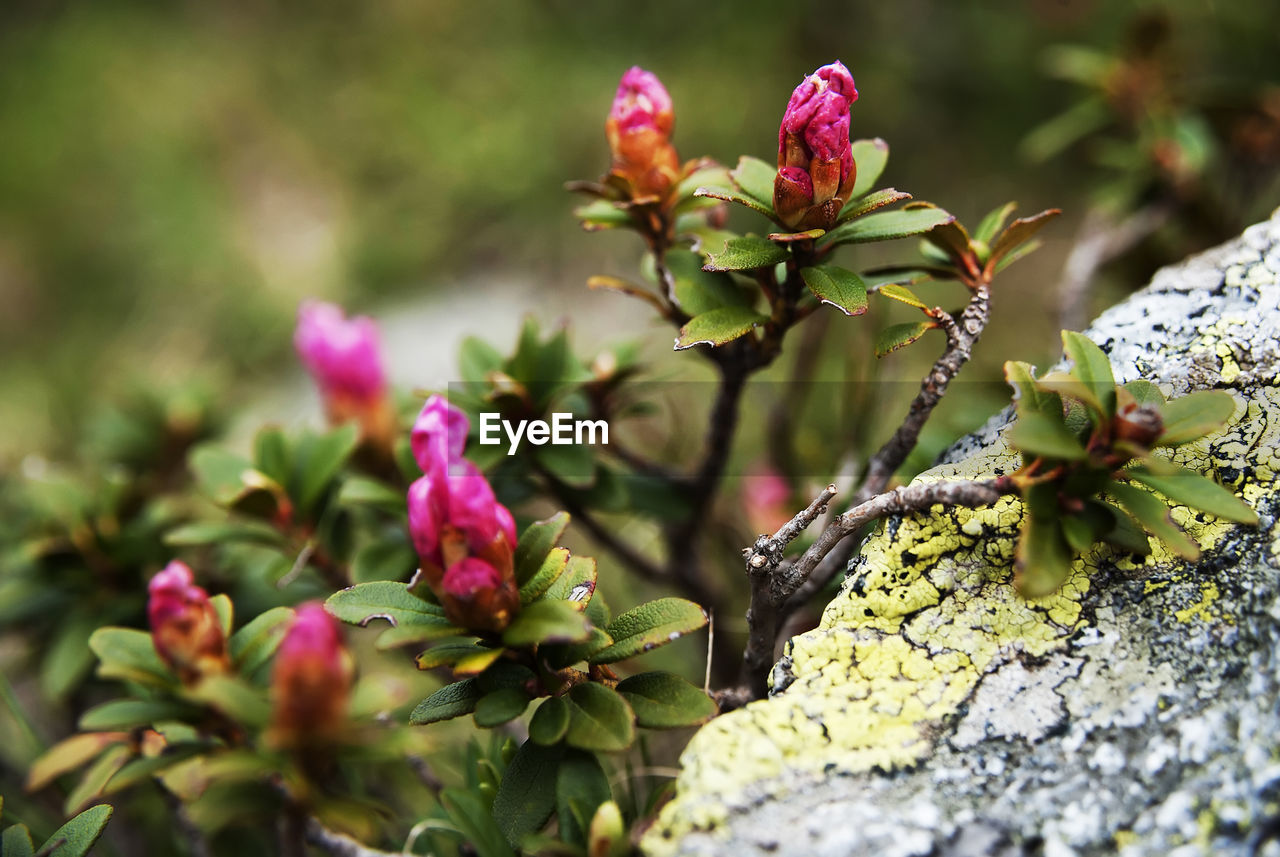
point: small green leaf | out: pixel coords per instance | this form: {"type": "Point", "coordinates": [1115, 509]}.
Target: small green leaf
{"type": "Point", "coordinates": [389, 558]}
{"type": "Point", "coordinates": [952, 239]}
{"type": "Point", "coordinates": [16, 842]}
{"type": "Point", "coordinates": [318, 458]}
{"type": "Point", "coordinates": [649, 626]}
{"type": "Point", "coordinates": [500, 706]}
{"type": "Point", "coordinates": [602, 214]}
{"type": "Point", "coordinates": [224, 533]}
{"type": "Point", "coordinates": [97, 777]}
{"type": "Point", "coordinates": [871, 156]}
{"type": "Point", "coordinates": [1018, 232]}
{"type": "Point", "coordinates": [745, 253]}
{"type": "Point", "coordinates": [577, 584]}
{"type": "Point", "coordinates": [1145, 393]}
{"type": "Point", "coordinates": [1153, 514]}
{"type": "Point", "coordinates": [536, 542]}
{"type": "Point", "coordinates": [447, 652]}
{"type": "Point", "coordinates": [599, 719]}
{"type": "Point", "coordinates": [473, 818]}
{"type": "Point", "coordinates": [718, 327]}
{"type": "Point", "coordinates": [1091, 366]}
{"type": "Point", "coordinates": [1038, 434]}
{"type": "Point", "coordinates": [993, 222]}
{"type": "Point", "coordinates": [1076, 391]}
{"type": "Point", "coordinates": [548, 573]}
{"type": "Point", "coordinates": [271, 454]}
{"type": "Point", "coordinates": [452, 700]}
{"type": "Point", "coordinates": [131, 713]}
{"type": "Point", "coordinates": [1043, 557]}
{"type": "Point", "coordinates": [69, 754]}
{"type": "Point", "coordinates": [1193, 416]}
{"type": "Point", "coordinates": [255, 643]}
{"type": "Point", "coordinates": [527, 794]}
{"type": "Point", "coordinates": [756, 178]}
{"type": "Point", "coordinates": [699, 291]}
{"type": "Point", "coordinates": [581, 788]}
{"type": "Point", "coordinates": [565, 655]}
{"type": "Point", "coordinates": [550, 721]}
{"type": "Point", "coordinates": [897, 336]}
{"type": "Point", "coordinates": [886, 226]}
{"type": "Point", "coordinates": [1031, 399]}
{"type": "Point", "coordinates": [837, 287]}
{"type": "Point", "coordinates": [901, 294]}
{"type": "Point", "coordinates": [547, 622]}
{"type": "Point", "coordinates": [476, 359]}
{"type": "Point", "coordinates": [1191, 489]}
{"type": "Point", "coordinates": [733, 195]}
{"type": "Point", "coordinates": [234, 697]}
{"type": "Point", "coordinates": [393, 602]}
{"type": "Point", "coordinates": [129, 655]}
{"type": "Point", "coordinates": [362, 491]}
{"type": "Point", "coordinates": [477, 662]}
{"type": "Point", "coordinates": [1126, 533]}
{"type": "Point", "coordinates": [78, 835]}
{"type": "Point", "coordinates": [871, 202]}
{"type": "Point", "coordinates": [663, 700]}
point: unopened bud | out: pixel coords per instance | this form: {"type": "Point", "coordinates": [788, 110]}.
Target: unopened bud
{"type": "Point", "coordinates": [185, 628]}
{"type": "Point", "coordinates": [1138, 424]}
{"type": "Point", "coordinates": [816, 171]}
{"type": "Point", "coordinates": [311, 681]}
{"type": "Point", "coordinates": [344, 356]}
{"type": "Point", "coordinates": [639, 132]}
{"type": "Point", "coordinates": [476, 596]}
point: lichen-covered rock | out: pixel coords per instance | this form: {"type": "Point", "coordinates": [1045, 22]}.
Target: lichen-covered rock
{"type": "Point", "coordinates": [1137, 710]}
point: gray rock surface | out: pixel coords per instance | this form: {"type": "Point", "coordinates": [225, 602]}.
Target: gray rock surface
{"type": "Point", "coordinates": [1137, 711]}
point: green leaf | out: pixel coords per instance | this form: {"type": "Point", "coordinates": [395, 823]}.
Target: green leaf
{"type": "Point", "coordinates": [699, 291]}
{"type": "Point", "coordinates": [1145, 393]}
{"type": "Point", "coordinates": [234, 697]}
{"type": "Point", "coordinates": [224, 610]}
{"type": "Point", "coordinates": [477, 662]}
{"type": "Point", "coordinates": [871, 156]}
{"type": "Point", "coordinates": [746, 253]}
{"type": "Point", "coordinates": [566, 655]}
{"type": "Point", "coordinates": [97, 777]}
{"type": "Point", "coordinates": [548, 573]}
{"type": "Point", "coordinates": [1020, 231]}
{"type": "Point", "coordinates": [1031, 399]}
{"type": "Point", "coordinates": [577, 584]}
{"type": "Point", "coordinates": [756, 178]}
{"type": "Point", "coordinates": [78, 835]}
{"type": "Point", "coordinates": [599, 719]}
{"type": "Point", "coordinates": [649, 626]}
{"type": "Point", "coordinates": [473, 819]}
{"type": "Point", "coordinates": [1043, 556]}
{"type": "Point", "coordinates": [536, 542]}
{"type": "Point", "coordinates": [952, 239]}
{"type": "Point", "coordinates": [500, 706]}
{"type": "Point", "coordinates": [663, 700]}
{"type": "Point", "coordinates": [572, 464]}
{"type": "Point", "coordinates": [993, 222]}
{"type": "Point", "coordinates": [1092, 368]}
{"type": "Point", "coordinates": [602, 214]}
{"type": "Point", "coordinates": [448, 651]}
{"type": "Point", "coordinates": [476, 359]}
{"type": "Point", "coordinates": [886, 226]}
{"type": "Point", "coordinates": [69, 754]}
{"type": "Point", "coordinates": [224, 532]}
{"type": "Point", "coordinates": [547, 622]}
{"type": "Point", "coordinates": [452, 700]}
{"type": "Point", "coordinates": [389, 600]}
{"type": "Point", "coordinates": [271, 454]}
{"type": "Point", "coordinates": [129, 655]}
{"type": "Point", "coordinates": [1153, 514]}
{"type": "Point", "coordinates": [837, 287]}
{"type": "Point", "coordinates": [901, 294]}
{"type": "Point", "coordinates": [386, 559]}
{"type": "Point", "coordinates": [581, 788]}
{"type": "Point", "coordinates": [1038, 434]}
{"type": "Point", "coordinates": [527, 794]}
{"type": "Point", "coordinates": [318, 458]}
{"type": "Point", "coordinates": [1191, 489]}
{"type": "Point", "coordinates": [1193, 416]}
{"type": "Point", "coordinates": [740, 197]}
{"type": "Point", "coordinates": [550, 721]}
{"type": "Point", "coordinates": [897, 336]}
{"type": "Point", "coordinates": [16, 842]}
{"type": "Point", "coordinates": [219, 472]}
{"type": "Point", "coordinates": [872, 201]}
{"type": "Point", "coordinates": [255, 643]}
{"type": "Point", "coordinates": [130, 713]}
{"type": "Point", "coordinates": [1126, 533]}
{"type": "Point", "coordinates": [362, 491]}
{"type": "Point", "coordinates": [718, 327]}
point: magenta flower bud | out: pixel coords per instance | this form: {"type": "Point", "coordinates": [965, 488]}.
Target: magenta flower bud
{"type": "Point", "coordinates": [311, 680]}
{"type": "Point", "coordinates": [439, 435]}
{"type": "Point", "coordinates": [477, 596]}
{"type": "Point", "coordinates": [185, 628]}
{"type": "Point", "coordinates": [639, 132]}
{"type": "Point", "coordinates": [813, 141]}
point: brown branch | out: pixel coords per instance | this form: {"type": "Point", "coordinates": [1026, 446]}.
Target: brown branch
{"type": "Point", "coordinates": [762, 561]}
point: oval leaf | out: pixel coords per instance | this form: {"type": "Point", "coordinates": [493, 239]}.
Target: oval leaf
{"type": "Point", "coordinates": [897, 336]}
{"type": "Point", "coordinates": [536, 542]}
{"type": "Point", "coordinates": [663, 700]}
{"type": "Point", "coordinates": [1191, 489]}
{"type": "Point", "coordinates": [1193, 416]}
{"type": "Point", "coordinates": [756, 177]}
{"type": "Point", "coordinates": [1092, 368]}
{"type": "Point", "coordinates": [527, 794]}
{"type": "Point", "coordinates": [1043, 435]}
{"type": "Point", "coordinates": [452, 700]}
{"type": "Point", "coordinates": [550, 721]}
{"type": "Point", "coordinates": [500, 706]}
{"type": "Point", "coordinates": [745, 253]}
{"type": "Point", "coordinates": [1153, 514]}
{"type": "Point", "coordinates": [871, 156]}
{"type": "Point", "coordinates": [718, 327]}
{"type": "Point", "coordinates": [837, 287]}
{"type": "Point", "coordinates": [547, 622]}
{"type": "Point", "coordinates": [887, 225]}
{"type": "Point", "coordinates": [79, 834]}
{"type": "Point", "coordinates": [649, 626]}
{"type": "Point", "coordinates": [599, 719]}
{"type": "Point", "coordinates": [548, 573]}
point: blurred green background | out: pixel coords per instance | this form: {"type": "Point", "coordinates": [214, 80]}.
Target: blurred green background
{"type": "Point", "coordinates": [176, 176]}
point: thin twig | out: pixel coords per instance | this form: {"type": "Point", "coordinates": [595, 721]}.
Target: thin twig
{"type": "Point", "coordinates": [341, 845]}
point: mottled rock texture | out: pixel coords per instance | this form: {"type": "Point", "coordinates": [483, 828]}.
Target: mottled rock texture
{"type": "Point", "coordinates": [935, 712]}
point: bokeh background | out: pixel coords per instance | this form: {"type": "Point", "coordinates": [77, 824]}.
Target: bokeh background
{"type": "Point", "coordinates": [176, 176]}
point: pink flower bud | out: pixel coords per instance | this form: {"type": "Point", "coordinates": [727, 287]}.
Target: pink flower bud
{"type": "Point", "coordinates": [439, 435]}
{"type": "Point", "coordinates": [814, 140]}
{"type": "Point", "coordinates": [639, 132]}
{"type": "Point", "coordinates": [185, 628]}
{"type": "Point", "coordinates": [766, 498]}
{"type": "Point", "coordinates": [344, 356]}
{"type": "Point", "coordinates": [477, 596]}
{"type": "Point", "coordinates": [311, 680]}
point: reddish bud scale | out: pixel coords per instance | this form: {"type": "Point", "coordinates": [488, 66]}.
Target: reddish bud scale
{"type": "Point", "coordinates": [1140, 425]}
{"type": "Point", "coordinates": [311, 681]}
{"type": "Point", "coordinates": [816, 171]}
{"type": "Point", "coordinates": [639, 133]}
{"type": "Point", "coordinates": [185, 628]}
